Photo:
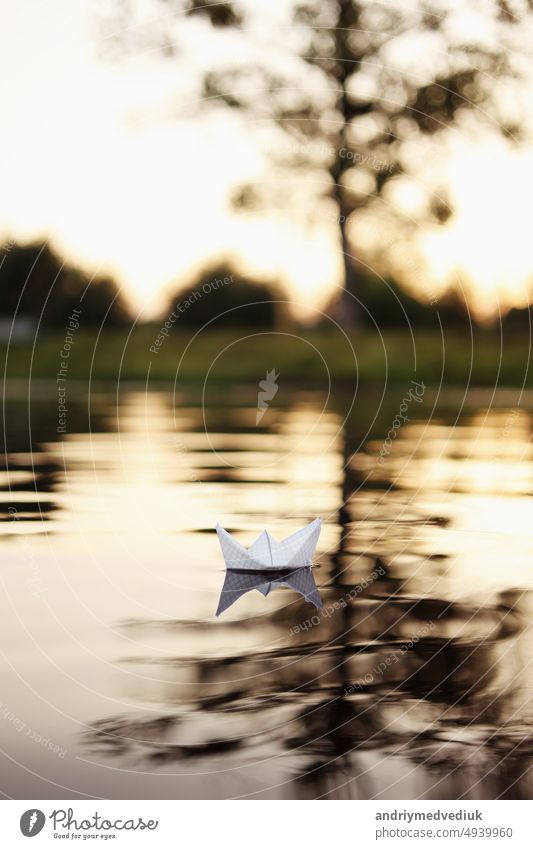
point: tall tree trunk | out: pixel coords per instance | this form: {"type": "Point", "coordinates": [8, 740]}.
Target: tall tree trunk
{"type": "Point", "coordinates": [349, 312]}
{"type": "Point", "coordinates": [349, 307]}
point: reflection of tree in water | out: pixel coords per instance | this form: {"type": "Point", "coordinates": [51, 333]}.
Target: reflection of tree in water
{"type": "Point", "coordinates": [438, 705]}
{"type": "Point", "coordinates": [396, 693]}
{"type": "Point", "coordinates": [29, 464]}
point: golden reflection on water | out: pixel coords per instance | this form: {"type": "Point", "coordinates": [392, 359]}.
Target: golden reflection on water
{"type": "Point", "coordinates": [414, 680]}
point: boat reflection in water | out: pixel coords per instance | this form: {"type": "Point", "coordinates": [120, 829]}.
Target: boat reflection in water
{"type": "Point", "coordinates": [412, 681]}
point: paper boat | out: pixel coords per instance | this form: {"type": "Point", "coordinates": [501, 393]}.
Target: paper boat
{"type": "Point", "coordinates": [268, 564]}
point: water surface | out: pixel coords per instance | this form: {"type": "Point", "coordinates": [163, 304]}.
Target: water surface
{"type": "Point", "coordinates": [415, 679]}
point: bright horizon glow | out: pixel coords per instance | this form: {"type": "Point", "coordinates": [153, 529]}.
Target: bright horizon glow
{"type": "Point", "coordinates": [148, 200]}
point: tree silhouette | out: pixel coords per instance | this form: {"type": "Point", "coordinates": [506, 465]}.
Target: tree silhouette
{"type": "Point", "coordinates": [221, 296]}
{"type": "Point", "coordinates": [344, 86]}
{"type": "Point", "coordinates": [35, 282]}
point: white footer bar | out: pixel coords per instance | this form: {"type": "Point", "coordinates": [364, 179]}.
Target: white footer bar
{"type": "Point", "coordinates": [260, 824]}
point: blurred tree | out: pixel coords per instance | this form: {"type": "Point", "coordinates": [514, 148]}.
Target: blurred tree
{"type": "Point", "coordinates": [385, 302]}
{"type": "Point", "coordinates": [34, 280]}
{"type": "Point", "coordinates": [219, 293]}
{"type": "Point", "coordinates": [344, 87]}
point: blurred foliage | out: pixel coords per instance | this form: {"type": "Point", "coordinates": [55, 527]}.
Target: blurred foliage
{"type": "Point", "coordinates": [375, 79]}
{"type": "Point", "coordinates": [460, 357]}
{"type": "Point", "coordinates": [384, 303]}
{"type": "Point", "coordinates": [35, 282]}
{"type": "Point", "coordinates": [221, 296]}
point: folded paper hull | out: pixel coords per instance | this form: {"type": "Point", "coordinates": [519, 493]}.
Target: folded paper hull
{"type": "Point", "coordinates": [266, 552]}
{"type": "Point", "coordinates": [268, 564]}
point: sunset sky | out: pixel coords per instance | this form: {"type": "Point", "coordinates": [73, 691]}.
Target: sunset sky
{"type": "Point", "coordinates": [92, 159]}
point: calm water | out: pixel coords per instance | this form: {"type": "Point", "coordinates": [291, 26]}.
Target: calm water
{"type": "Point", "coordinates": [415, 680]}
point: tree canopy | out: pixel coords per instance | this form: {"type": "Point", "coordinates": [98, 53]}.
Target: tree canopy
{"type": "Point", "coordinates": [347, 96]}
{"type": "Point", "coordinates": [225, 298]}
{"type": "Point", "coordinates": [35, 282]}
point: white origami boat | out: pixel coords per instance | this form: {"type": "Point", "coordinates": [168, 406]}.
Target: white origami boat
{"type": "Point", "coordinates": [268, 564]}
